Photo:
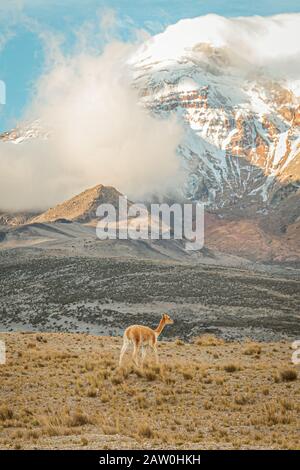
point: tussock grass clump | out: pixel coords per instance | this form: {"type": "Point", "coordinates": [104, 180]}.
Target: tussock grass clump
{"type": "Point", "coordinates": [187, 375]}
{"type": "Point", "coordinates": [273, 415]}
{"type": "Point", "coordinates": [288, 375]}
{"type": "Point", "coordinates": [286, 404]}
{"type": "Point", "coordinates": [150, 375]}
{"type": "Point", "coordinates": [6, 413]}
{"type": "Point", "coordinates": [208, 340]}
{"type": "Point", "coordinates": [243, 399]}
{"type": "Point", "coordinates": [52, 431]}
{"type": "Point", "coordinates": [91, 393]}
{"type": "Point", "coordinates": [144, 430]}
{"type": "Point", "coordinates": [179, 342]}
{"type": "Point", "coordinates": [105, 398]}
{"type": "Point", "coordinates": [252, 349]}
{"type": "Point", "coordinates": [141, 401]}
{"type": "Point", "coordinates": [32, 434]}
{"type": "Point", "coordinates": [117, 379]}
{"type": "Point", "coordinates": [219, 380]}
{"type": "Point", "coordinates": [41, 339]}
{"type": "Point", "coordinates": [66, 418]}
{"type": "Point", "coordinates": [231, 367]}
{"type": "Point", "coordinates": [78, 418]}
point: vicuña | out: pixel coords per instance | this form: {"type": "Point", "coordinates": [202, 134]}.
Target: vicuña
{"type": "Point", "coordinates": [141, 337]}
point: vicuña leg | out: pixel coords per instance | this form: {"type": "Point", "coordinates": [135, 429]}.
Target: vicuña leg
{"type": "Point", "coordinates": [136, 348]}
{"type": "Point", "coordinates": [144, 351]}
{"type": "Point", "coordinates": [154, 347]}
{"type": "Point", "coordinates": [123, 350]}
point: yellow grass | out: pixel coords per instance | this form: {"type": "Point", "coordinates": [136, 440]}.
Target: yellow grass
{"type": "Point", "coordinates": [67, 391]}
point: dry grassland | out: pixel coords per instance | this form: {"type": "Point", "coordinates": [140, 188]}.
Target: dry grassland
{"type": "Point", "coordinates": [66, 391]}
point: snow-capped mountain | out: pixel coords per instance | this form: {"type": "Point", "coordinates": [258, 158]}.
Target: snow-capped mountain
{"type": "Point", "coordinates": [20, 134]}
{"type": "Point", "coordinates": [241, 145]}
{"type": "Point", "coordinates": [242, 126]}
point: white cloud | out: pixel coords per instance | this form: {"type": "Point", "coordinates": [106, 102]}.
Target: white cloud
{"type": "Point", "coordinates": [108, 19]}
{"type": "Point", "coordinates": [99, 134]}
{"type": "Point", "coordinates": [271, 43]}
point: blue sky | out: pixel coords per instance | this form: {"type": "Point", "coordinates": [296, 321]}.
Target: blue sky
{"type": "Point", "coordinates": [27, 25]}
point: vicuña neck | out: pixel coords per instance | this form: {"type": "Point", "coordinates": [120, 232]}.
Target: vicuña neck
{"type": "Point", "coordinates": [160, 327]}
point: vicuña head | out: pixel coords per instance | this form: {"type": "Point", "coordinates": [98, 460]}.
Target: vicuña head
{"type": "Point", "coordinates": [141, 337]}
{"type": "Point", "coordinates": [168, 320]}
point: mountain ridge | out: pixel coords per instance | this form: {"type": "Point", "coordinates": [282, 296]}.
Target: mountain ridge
{"type": "Point", "coordinates": [81, 207]}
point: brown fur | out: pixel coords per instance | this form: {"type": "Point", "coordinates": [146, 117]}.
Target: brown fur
{"type": "Point", "coordinates": [143, 336]}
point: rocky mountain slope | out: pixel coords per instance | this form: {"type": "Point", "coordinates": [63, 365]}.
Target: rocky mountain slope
{"type": "Point", "coordinates": [82, 207]}
{"type": "Point", "coordinates": [242, 128]}
{"type": "Point", "coordinates": [15, 218]}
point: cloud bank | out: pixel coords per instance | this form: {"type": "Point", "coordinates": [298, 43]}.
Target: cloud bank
{"type": "Point", "coordinates": [98, 134]}
{"type": "Point", "coordinates": [255, 42]}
